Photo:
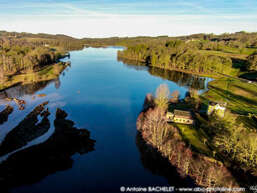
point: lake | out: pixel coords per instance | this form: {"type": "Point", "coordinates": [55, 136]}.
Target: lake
{"type": "Point", "coordinates": [104, 96]}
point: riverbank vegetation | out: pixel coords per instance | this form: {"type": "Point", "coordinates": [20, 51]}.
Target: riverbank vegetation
{"type": "Point", "coordinates": [231, 54]}
{"type": "Point", "coordinates": [46, 73]}
{"type": "Point", "coordinates": [166, 138]}
{"type": "Point", "coordinates": [224, 145]}
{"type": "Point", "coordinates": [23, 55]}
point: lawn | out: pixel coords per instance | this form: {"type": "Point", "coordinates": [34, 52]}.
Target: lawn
{"type": "Point", "coordinates": [195, 138]}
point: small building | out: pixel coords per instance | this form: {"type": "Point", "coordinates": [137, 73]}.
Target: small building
{"type": "Point", "coordinates": [216, 108]}
{"type": "Point", "coordinates": [179, 116]}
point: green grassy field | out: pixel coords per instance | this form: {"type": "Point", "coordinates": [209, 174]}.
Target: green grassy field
{"type": "Point", "coordinates": [240, 96]}
{"type": "Point", "coordinates": [241, 99]}
{"type": "Point", "coordinates": [195, 138]}
{"type": "Point", "coordinates": [221, 53]}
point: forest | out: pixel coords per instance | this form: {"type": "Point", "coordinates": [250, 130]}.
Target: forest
{"type": "Point", "coordinates": [231, 54]}
{"type": "Point", "coordinates": [25, 53]}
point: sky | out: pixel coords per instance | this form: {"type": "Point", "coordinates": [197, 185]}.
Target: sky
{"type": "Point", "coordinates": [109, 18]}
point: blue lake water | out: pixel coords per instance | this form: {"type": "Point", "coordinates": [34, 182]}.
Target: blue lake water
{"type": "Point", "coordinates": [104, 96]}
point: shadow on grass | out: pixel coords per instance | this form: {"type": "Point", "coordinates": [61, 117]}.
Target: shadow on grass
{"type": "Point", "coordinates": [239, 63]}
{"type": "Point", "coordinates": [192, 139]}
{"type": "Point", "coordinates": [246, 90]}
{"type": "Point", "coordinates": [250, 76]}
{"type": "Point", "coordinates": [248, 122]}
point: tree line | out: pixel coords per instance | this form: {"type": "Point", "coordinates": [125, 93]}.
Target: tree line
{"type": "Point", "coordinates": [25, 52]}
{"type": "Point", "coordinates": [177, 54]}
{"type": "Point", "coordinates": [18, 57]}
{"type": "Point", "coordinates": [199, 53]}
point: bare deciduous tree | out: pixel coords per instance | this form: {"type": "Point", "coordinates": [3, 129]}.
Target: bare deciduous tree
{"type": "Point", "coordinates": [156, 125]}
{"type": "Point", "coordinates": [162, 96]}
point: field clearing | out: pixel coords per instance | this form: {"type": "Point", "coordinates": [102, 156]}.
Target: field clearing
{"type": "Point", "coordinates": [240, 96]}
{"type": "Point", "coordinates": [226, 54]}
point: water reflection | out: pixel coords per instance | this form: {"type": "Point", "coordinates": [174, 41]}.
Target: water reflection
{"type": "Point", "coordinates": [22, 84]}
{"type": "Point", "coordinates": [27, 89]}
{"type": "Point", "coordinates": [152, 160]}
{"type": "Point", "coordinates": [5, 114]}
{"type": "Point", "coordinates": [100, 94]}
{"type": "Point", "coordinates": [31, 164]}
{"type": "Point", "coordinates": [181, 78]}
{"type": "Point", "coordinates": [27, 130]}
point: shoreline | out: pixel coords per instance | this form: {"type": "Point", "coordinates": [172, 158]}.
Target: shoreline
{"type": "Point", "coordinates": [188, 163]}
{"type": "Point", "coordinates": [48, 72]}
{"type": "Point", "coordinates": [187, 155]}
{"type": "Point", "coordinates": [216, 76]}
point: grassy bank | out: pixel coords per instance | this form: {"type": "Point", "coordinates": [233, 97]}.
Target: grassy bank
{"type": "Point", "coordinates": [47, 73]}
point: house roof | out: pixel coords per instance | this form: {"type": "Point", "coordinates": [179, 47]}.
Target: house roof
{"type": "Point", "coordinates": [183, 114]}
